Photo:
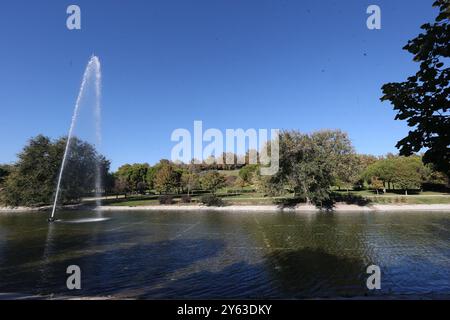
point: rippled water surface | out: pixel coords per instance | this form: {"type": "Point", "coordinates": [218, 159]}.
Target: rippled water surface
{"type": "Point", "coordinates": [227, 255]}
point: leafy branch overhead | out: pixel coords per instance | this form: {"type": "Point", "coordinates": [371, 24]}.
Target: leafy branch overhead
{"type": "Point", "coordinates": [424, 99]}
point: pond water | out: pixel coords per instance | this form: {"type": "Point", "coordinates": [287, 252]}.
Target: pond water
{"type": "Point", "coordinates": [138, 254]}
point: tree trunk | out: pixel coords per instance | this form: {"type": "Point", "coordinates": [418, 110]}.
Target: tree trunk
{"type": "Point", "coordinates": [406, 192]}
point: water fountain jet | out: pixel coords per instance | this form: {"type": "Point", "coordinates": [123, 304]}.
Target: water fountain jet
{"type": "Point", "coordinates": [92, 69]}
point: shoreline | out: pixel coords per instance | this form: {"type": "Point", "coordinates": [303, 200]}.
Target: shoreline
{"type": "Point", "coordinates": [248, 208]}
{"type": "Point", "coordinates": [275, 208]}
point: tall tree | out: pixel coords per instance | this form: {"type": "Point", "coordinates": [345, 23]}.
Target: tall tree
{"type": "Point", "coordinates": [134, 175]}
{"type": "Point", "coordinates": [167, 179]}
{"type": "Point", "coordinates": [408, 173]}
{"type": "Point", "coordinates": [309, 163]}
{"type": "Point", "coordinates": [189, 181]}
{"type": "Point", "coordinates": [33, 178]}
{"type": "Point", "coordinates": [423, 100]}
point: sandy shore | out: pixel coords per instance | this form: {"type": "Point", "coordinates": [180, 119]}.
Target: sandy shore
{"type": "Point", "coordinates": [253, 208]}
{"type": "Point", "coordinates": [274, 208]}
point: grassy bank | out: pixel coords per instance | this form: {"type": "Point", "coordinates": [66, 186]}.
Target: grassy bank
{"type": "Point", "coordinates": [254, 198]}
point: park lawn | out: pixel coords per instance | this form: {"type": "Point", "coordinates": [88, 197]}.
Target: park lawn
{"type": "Point", "coordinates": [254, 198]}
{"type": "Point", "coordinates": [135, 203]}
{"type": "Point", "coordinates": [411, 200]}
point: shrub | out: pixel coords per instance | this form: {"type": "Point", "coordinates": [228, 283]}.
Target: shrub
{"type": "Point", "coordinates": [166, 199]}
{"type": "Point", "coordinates": [186, 199]}
{"type": "Point", "coordinates": [211, 200]}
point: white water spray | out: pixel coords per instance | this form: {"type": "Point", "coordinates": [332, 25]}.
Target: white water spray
{"type": "Point", "coordinates": [92, 69]}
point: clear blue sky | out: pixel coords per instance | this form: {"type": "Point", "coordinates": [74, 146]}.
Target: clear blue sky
{"type": "Point", "coordinates": [292, 64]}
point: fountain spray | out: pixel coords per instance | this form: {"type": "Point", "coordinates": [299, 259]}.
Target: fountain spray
{"type": "Point", "coordinates": [92, 69]}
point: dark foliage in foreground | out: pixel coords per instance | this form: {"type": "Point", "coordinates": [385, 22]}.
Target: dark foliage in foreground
{"type": "Point", "coordinates": [211, 200]}
{"type": "Point", "coordinates": [165, 199]}
{"type": "Point", "coordinates": [424, 99]}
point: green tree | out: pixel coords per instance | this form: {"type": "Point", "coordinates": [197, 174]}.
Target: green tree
{"type": "Point", "coordinates": [376, 184]}
{"type": "Point", "coordinates": [397, 171]}
{"type": "Point", "coordinates": [212, 181]}
{"type": "Point", "coordinates": [121, 186]}
{"type": "Point", "coordinates": [150, 177]}
{"type": "Point", "coordinates": [123, 181]}
{"type": "Point", "coordinates": [167, 179]}
{"type": "Point", "coordinates": [134, 175]}
{"type": "Point", "coordinates": [109, 183]}
{"type": "Point", "coordinates": [32, 181]}
{"type": "Point", "coordinates": [408, 173]}
{"type": "Point", "coordinates": [309, 163]}
{"type": "Point", "coordinates": [383, 169]}
{"type": "Point", "coordinates": [423, 100]}
{"type": "Point", "coordinates": [189, 181]}
{"type": "Point", "coordinates": [247, 173]}
{"type": "Point", "coordinates": [348, 171]}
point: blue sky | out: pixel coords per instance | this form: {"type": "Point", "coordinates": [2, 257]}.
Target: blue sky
{"type": "Point", "coordinates": [303, 65]}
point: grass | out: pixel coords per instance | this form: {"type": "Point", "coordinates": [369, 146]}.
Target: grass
{"type": "Point", "coordinates": [255, 198]}
{"type": "Point", "coordinates": [411, 200]}
{"type": "Point", "coordinates": [135, 203]}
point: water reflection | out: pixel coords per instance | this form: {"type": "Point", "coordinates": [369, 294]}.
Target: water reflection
{"type": "Point", "coordinates": [227, 255]}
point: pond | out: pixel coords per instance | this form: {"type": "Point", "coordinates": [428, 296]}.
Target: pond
{"type": "Point", "coordinates": [137, 254]}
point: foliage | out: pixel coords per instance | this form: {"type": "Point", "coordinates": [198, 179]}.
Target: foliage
{"type": "Point", "coordinates": [134, 176]}
{"type": "Point", "coordinates": [141, 187]}
{"type": "Point", "coordinates": [121, 186]}
{"type": "Point", "coordinates": [211, 200]}
{"type": "Point", "coordinates": [408, 172]}
{"type": "Point", "coordinates": [376, 184]}
{"type": "Point", "coordinates": [423, 100]}
{"type": "Point", "coordinates": [167, 178]}
{"type": "Point", "coordinates": [348, 171]}
{"type": "Point", "coordinates": [309, 163]}
{"type": "Point", "coordinates": [431, 176]}
{"type": "Point", "coordinates": [5, 170]}
{"type": "Point", "coordinates": [165, 199]}
{"type": "Point", "coordinates": [247, 173]}
{"type": "Point", "coordinates": [33, 178]}
{"type": "Point", "coordinates": [403, 172]}
{"type": "Point", "coordinates": [212, 181]}
{"type": "Point", "coordinates": [190, 181]}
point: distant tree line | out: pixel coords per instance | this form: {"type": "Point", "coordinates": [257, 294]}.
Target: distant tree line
{"type": "Point", "coordinates": [311, 167]}
{"type": "Point", "coordinates": [166, 177]}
